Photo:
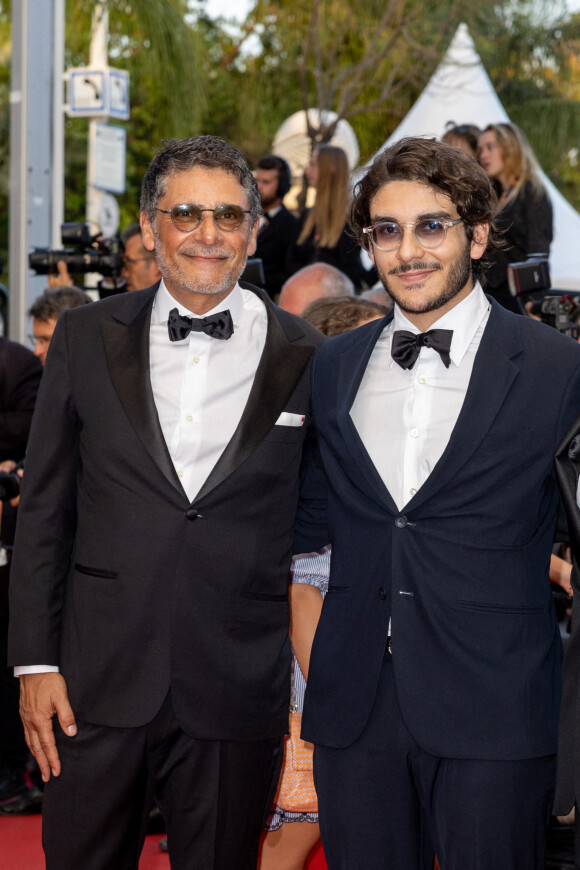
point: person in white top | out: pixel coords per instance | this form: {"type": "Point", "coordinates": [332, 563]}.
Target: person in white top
{"type": "Point", "coordinates": [149, 604]}
{"type": "Point", "coordinates": [434, 679]}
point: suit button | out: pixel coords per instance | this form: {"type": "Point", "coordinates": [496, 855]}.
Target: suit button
{"type": "Point", "coordinates": [192, 514]}
{"type": "Point", "coordinates": [401, 521]}
{"type": "Point", "coordinates": [382, 593]}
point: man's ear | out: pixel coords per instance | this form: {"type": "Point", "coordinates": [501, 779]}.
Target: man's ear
{"type": "Point", "coordinates": [147, 234]}
{"type": "Point", "coordinates": [253, 240]}
{"type": "Point", "coordinates": [479, 241]}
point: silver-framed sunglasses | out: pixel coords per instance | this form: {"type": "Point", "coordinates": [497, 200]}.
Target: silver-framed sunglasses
{"type": "Point", "coordinates": [429, 232]}
{"type": "Point", "coordinates": [187, 217]}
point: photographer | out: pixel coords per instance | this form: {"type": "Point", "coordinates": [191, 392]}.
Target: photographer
{"type": "Point", "coordinates": [525, 215]}
{"type": "Point", "coordinates": [45, 312]}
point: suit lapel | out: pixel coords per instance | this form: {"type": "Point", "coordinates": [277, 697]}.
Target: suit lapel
{"type": "Point", "coordinates": [352, 366]}
{"type": "Point", "coordinates": [494, 371]}
{"type": "Point", "coordinates": [280, 368]}
{"type": "Point", "coordinates": [126, 343]}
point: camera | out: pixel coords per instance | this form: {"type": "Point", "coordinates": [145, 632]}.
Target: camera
{"type": "Point", "coordinates": [530, 276]}
{"type": "Point", "coordinates": [10, 483]}
{"type": "Point", "coordinates": [559, 311]}
{"type": "Point", "coordinates": [85, 253]}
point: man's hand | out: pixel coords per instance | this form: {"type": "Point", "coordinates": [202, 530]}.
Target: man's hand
{"type": "Point", "coordinates": [62, 277]}
{"type": "Point", "coordinates": [41, 697]}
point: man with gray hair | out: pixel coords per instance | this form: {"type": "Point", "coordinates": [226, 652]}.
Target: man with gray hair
{"type": "Point", "coordinates": [313, 282]}
{"type": "Point", "coordinates": [150, 580]}
{"type": "Point", "coordinates": [45, 311]}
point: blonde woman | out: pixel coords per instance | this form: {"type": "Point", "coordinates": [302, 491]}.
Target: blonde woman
{"type": "Point", "coordinates": [323, 235]}
{"type": "Point", "coordinates": [525, 208]}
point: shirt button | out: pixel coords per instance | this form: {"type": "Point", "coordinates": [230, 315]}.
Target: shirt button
{"type": "Point", "coordinates": [412, 491]}
{"type": "Point", "coordinates": [414, 433]}
{"type": "Point", "coordinates": [180, 473]}
{"type": "Point", "coordinates": [196, 359]}
{"type": "Point", "coordinates": [189, 418]}
{"type": "Point", "coordinates": [401, 521]}
{"type": "Point", "coordinates": [382, 593]}
{"type": "Point", "coordinates": [422, 379]}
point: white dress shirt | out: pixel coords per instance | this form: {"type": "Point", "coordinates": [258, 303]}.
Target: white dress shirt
{"type": "Point", "coordinates": [201, 386]}
{"type": "Point", "coordinates": [405, 416]}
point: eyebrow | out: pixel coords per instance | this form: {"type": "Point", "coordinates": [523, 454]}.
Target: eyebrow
{"type": "Point", "coordinates": [434, 215]}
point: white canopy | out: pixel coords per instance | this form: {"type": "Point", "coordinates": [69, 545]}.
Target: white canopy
{"type": "Point", "coordinates": [460, 91]}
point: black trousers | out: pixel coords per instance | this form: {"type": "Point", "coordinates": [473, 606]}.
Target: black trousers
{"type": "Point", "coordinates": [214, 796]}
{"type": "Point", "coordinates": [385, 804]}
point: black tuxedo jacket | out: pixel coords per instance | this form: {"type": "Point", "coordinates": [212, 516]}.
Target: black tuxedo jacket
{"type": "Point", "coordinates": [568, 783]}
{"type": "Point", "coordinates": [121, 581]}
{"type": "Point", "coordinates": [274, 240]}
{"type": "Point", "coordinates": [462, 569]}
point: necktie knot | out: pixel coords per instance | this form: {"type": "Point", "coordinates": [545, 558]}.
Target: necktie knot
{"type": "Point", "coordinates": [219, 325]}
{"type": "Point", "coordinates": [406, 346]}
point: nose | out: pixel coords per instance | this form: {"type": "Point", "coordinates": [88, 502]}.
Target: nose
{"type": "Point", "coordinates": [409, 249]}
{"type": "Point", "coordinates": [40, 349]}
{"type": "Point", "coordinates": [207, 229]}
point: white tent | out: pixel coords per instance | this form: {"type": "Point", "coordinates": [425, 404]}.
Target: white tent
{"type": "Point", "coordinates": [460, 91]}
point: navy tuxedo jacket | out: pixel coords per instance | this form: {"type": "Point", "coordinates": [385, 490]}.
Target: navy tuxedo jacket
{"type": "Point", "coordinates": [462, 569]}
{"type": "Point", "coordinates": [122, 582]}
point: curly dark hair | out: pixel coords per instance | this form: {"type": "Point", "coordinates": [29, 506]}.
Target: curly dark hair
{"type": "Point", "coordinates": [180, 155]}
{"type": "Point", "coordinates": [335, 315]}
{"type": "Point", "coordinates": [444, 167]}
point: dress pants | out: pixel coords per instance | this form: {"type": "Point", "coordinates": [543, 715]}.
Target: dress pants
{"type": "Point", "coordinates": [214, 796]}
{"type": "Point", "coordinates": [384, 802]}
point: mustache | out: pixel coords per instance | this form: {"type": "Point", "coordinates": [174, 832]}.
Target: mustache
{"type": "Point", "coordinates": [418, 266]}
{"type": "Point", "coordinates": [206, 253]}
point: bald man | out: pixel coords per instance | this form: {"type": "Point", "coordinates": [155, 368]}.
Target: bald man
{"type": "Point", "coordinates": [313, 282]}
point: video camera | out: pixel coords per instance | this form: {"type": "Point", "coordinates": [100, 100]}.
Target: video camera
{"type": "Point", "coordinates": [85, 254]}
{"type": "Point", "coordinates": [559, 310]}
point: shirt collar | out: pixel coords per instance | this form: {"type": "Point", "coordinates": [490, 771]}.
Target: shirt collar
{"type": "Point", "coordinates": [464, 319]}
{"type": "Point", "coordinates": [164, 303]}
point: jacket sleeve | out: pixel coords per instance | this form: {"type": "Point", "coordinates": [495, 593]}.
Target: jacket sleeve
{"type": "Point", "coordinates": [47, 515]}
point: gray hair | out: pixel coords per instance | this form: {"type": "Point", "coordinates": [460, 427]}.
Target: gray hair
{"type": "Point", "coordinates": [180, 155]}
{"type": "Point", "coordinates": [51, 304]}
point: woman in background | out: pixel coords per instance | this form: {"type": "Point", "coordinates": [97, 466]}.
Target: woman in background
{"type": "Point", "coordinates": [323, 235]}
{"type": "Point", "coordinates": [525, 209]}
{"type": "Point", "coordinates": [464, 136]}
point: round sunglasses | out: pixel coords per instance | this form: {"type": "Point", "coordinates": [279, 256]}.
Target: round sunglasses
{"type": "Point", "coordinates": [186, 218]}
{"type": "Point", "coordinates": [429, 232]}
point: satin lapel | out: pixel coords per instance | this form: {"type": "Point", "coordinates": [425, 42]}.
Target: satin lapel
{"type": "Point", "coordinates": [280, 368]}
{"type": "Point", "coordinates": [126, 342]}
{"type": "Point", "coordinates": [352, 367]}
{"type": "Point", "coordinates": [494, 371]}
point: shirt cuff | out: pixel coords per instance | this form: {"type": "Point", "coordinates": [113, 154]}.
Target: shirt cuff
{"type": "Point", "coordinates": [35, 669]}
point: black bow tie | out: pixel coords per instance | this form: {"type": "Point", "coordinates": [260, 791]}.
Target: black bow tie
{"type": "Point", "coordinates": [406, 346]}
{"type": "Point", "coordinates": [218, 325]}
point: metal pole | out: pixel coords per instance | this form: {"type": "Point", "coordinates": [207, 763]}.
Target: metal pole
{"type": "Point", "coordinates": [31, 138]}
{"type": "Point", "coordinates": [58, 125]}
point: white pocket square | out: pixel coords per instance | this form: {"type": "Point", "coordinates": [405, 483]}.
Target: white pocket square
{"type": "Point", "coordinates": [287, 419]}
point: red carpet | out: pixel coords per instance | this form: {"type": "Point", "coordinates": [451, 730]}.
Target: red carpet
{"type": "Point", "coordinates": [20, 848]}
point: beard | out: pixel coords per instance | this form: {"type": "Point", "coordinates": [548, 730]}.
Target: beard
{"type": "Point", "coordinates": [458, 276]}
{"type": "Point", "coordinates": [267, 201]}
{"type": "Point", "coordinates": [174, 274]}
